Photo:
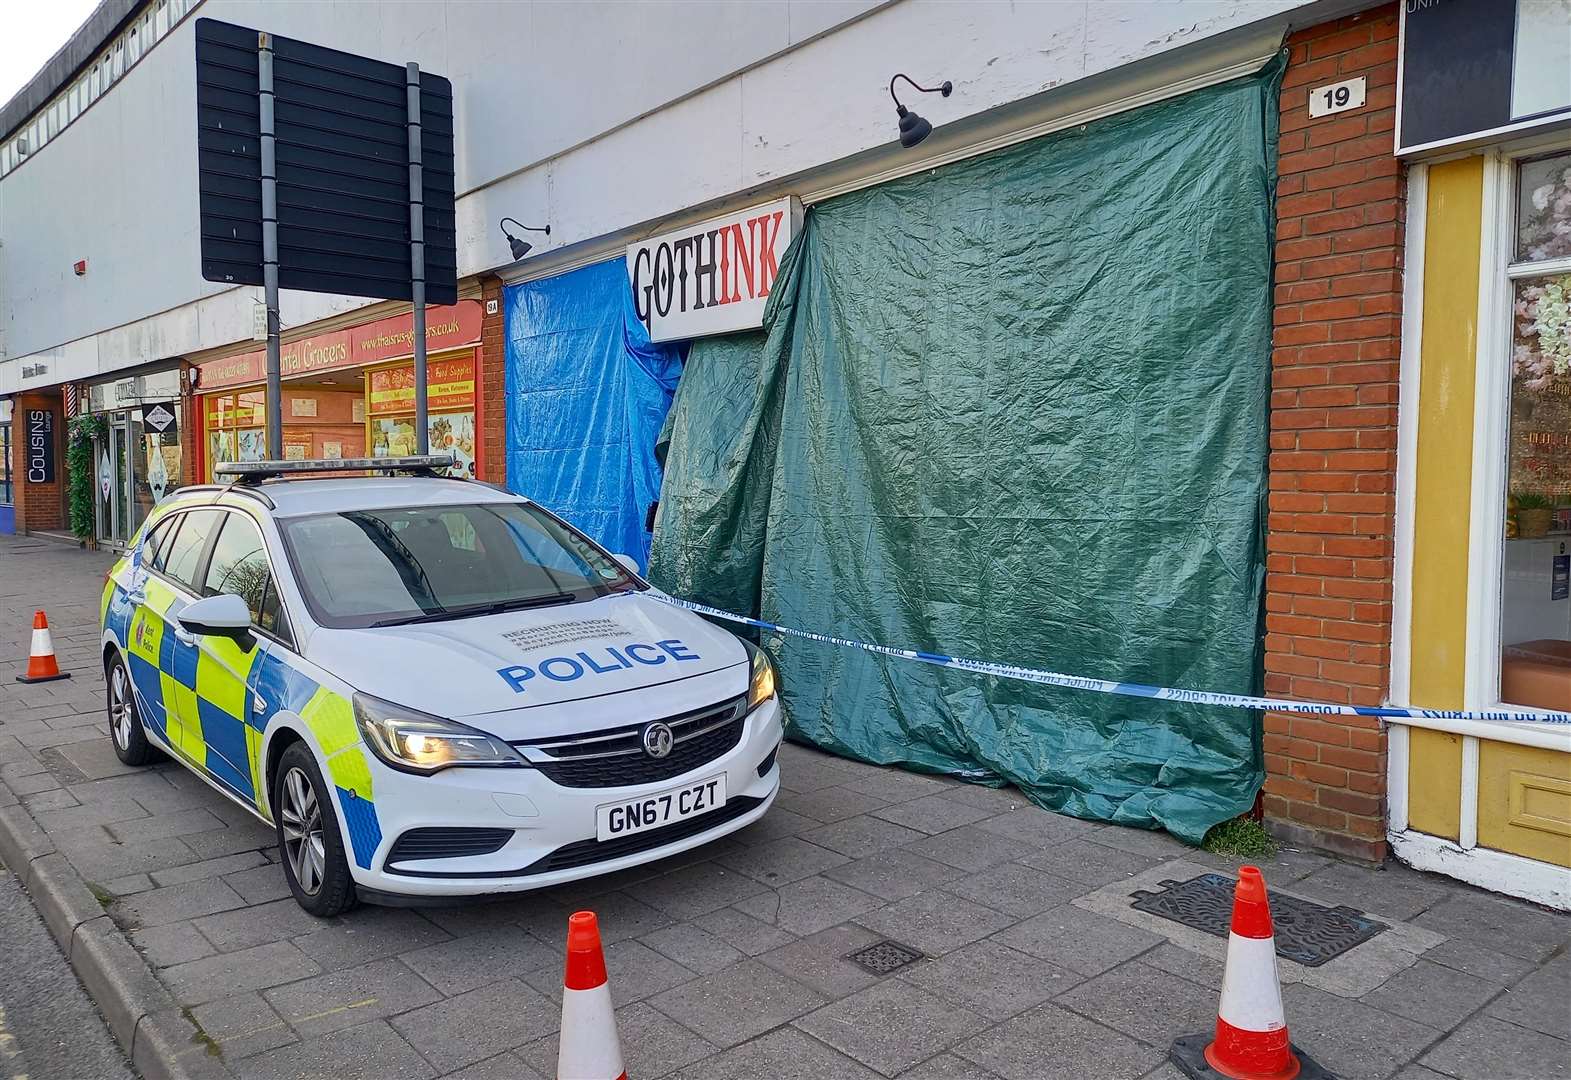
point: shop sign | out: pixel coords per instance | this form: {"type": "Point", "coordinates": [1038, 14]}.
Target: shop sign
{"type": "Point", "coordinates": [713, 277]}
{"type": "Point", "coordinates": [393, 338]}
{"type": "Point", "coordinates": [1473, 70]}
{"type": "Point", "coordinates": [40, 446]}
{"type": "Point", "coordinates": [450, 384]}
{"type": "Point", "coordinates": [160, 418]}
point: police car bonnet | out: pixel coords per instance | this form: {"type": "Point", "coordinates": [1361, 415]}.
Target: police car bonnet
{"type": "Point", "coordinates": [529, 658]}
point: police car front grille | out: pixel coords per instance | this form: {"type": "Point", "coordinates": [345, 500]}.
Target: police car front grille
{"type": "Point", "coordinates": [447, 843]}
{"type": "Point", "coordinates": [615, 757]}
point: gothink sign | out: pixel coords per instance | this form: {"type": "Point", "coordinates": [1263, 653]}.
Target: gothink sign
{"type": "Point", "coordinates": [713, 277]}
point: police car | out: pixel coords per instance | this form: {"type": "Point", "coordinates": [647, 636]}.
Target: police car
{"type": "Point", "coordinates": [429, 687]}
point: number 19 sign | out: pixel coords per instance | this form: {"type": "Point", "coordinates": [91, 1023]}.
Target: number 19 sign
{"type": "Point", "coordinates": [1337, 97]}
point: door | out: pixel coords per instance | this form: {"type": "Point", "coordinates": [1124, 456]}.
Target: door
{"type": "Point", "coordinates": [226, 669]}
{"type": "Point", "coordinates": [150, 598]}
{"type": "Point", "coordinates": [174, 582]}
{"type": "Point", "coordinates": [112, 470]}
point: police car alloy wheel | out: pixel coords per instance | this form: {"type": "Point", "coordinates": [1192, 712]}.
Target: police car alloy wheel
{"type": "Point", "coordinates": [430, 688]}
{"type": "Point", "coordinates": [308, 838]}
{"type": "Point", "coordinates": [125, 726]}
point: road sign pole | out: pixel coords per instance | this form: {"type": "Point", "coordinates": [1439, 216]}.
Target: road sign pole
{"type": "Point", "coordinates": [275, 412]}
{"type": "Point", "coordinates": [417, 254]}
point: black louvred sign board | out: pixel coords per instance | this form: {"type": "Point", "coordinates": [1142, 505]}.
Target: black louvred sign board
{"type": "Point", "coordinates": [342, 163]}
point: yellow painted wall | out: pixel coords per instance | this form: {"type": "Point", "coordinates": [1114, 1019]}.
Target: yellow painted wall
{"type": "Point", "coordinates": [1434, 782]}
{"type": "Point", "coordinates": [1524, 801]}
{"type": "Point", "coordinates": [1452, 240]}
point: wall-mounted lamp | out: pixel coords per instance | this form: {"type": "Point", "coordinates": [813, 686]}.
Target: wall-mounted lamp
{"type": "Point", "coordinates": [913, 129]}
{"type": "Point", "coordinates": [520, 247]}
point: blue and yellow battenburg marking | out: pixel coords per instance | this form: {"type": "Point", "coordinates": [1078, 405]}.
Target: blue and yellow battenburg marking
{"type": "Point", "coordinates": [199, 703]}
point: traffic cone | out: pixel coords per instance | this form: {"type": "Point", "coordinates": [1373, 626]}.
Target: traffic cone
{"type": "Point", "coordinates": [41, 666]}
{"type": "Point", "coordinates": [589, 1048]}
{"type": "Point", "coordinates": [1251, 1041]}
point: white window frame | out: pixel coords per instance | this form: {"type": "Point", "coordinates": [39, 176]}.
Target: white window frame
{"type": "Point", "coordinates": [1498, 275]}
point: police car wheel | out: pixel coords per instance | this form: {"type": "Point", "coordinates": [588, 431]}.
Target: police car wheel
{"type": "Point", "coordinates": [311, 846]}
{"type": "Point", "coordinates": [125, 724]}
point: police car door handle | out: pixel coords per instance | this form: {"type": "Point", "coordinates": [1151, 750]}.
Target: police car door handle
{"type": "Point", "coordinates": [137, 597]}
{"type": "Point", "coordinates": [182, 635]}
{"type": "Point", "coordinates": [258, 703]}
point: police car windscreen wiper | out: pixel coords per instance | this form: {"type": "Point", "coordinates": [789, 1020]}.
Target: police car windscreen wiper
{"type": "Point", "coordinates": [473, 610]}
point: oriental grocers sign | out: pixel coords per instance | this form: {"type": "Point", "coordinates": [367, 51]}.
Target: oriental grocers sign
{"type": "Point", "coordinates": [713, 277]}
{"type": "Point", "coordinates": [446, 327]}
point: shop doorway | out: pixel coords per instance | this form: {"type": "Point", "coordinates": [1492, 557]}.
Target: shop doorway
{"type": "Point", "coordinates": [137, 459]}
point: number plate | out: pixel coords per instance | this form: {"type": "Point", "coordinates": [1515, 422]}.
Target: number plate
{"type": "Point", "coordinates": [663, 808]}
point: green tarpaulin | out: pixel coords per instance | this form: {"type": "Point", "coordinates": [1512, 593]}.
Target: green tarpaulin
{"type": "Point", "coordinates": [1014, 410]}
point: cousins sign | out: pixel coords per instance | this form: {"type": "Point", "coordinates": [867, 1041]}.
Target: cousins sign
{"type": "Point", "coordinates": [713, 277]}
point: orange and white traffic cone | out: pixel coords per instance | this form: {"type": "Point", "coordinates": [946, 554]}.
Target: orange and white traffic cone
{"type": "Point", "coordinates": [41, 666]}
{"type": "Point", "coordinates": [589, 1049]}
{"type": "Point", "coordinates": [1251, 1040]}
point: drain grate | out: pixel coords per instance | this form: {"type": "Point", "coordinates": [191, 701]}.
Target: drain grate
{"type": "Point", "coordinates": [882, 957]}
{"type": "Point", "coordinates": [1306, 933]}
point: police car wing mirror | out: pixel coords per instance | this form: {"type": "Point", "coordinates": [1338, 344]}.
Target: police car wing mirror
{"type": "Point", "coordinates": [629, 564]}
{"type": "Point", "coordinates": [224, 615]}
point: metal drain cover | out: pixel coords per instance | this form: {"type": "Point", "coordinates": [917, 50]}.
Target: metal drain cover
{"type": "Point", "coordinates": [1306, 933]}
{"type": "Point", "coordinates": [882, 957]}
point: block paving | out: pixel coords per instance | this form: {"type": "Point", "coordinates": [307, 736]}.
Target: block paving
{"type": "Point", "coordinates": [729, 961]}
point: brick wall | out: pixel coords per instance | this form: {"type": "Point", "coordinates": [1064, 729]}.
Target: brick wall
{"type": "Point", "coordinates": [1333, 437]}
{"type": "Point", "coordinates": [38, 506]}
{"type": "Point", "coordinates": [493, 385]}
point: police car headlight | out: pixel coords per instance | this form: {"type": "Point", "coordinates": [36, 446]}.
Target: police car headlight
{"type": "Point", "coordinates": [762, 686]}
{"type": "Point", "coordinates": [414, 741]}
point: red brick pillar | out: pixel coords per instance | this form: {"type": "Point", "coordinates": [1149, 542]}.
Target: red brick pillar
{"type": "Point", "coordinates": [493, 383]}
{"type": "Point", "coordinates": [38, 506]}
{"type": "Point", "coordinates": [192, 470]}
{"type": "Point", "coordinates": [1333, 437]}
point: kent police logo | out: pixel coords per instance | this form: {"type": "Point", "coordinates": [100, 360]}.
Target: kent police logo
{"type": "Point", "coordinates": [658, 740]}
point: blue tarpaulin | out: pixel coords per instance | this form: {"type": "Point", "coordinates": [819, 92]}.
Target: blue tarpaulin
{"type": "Point", "coordinates": [587, 393]}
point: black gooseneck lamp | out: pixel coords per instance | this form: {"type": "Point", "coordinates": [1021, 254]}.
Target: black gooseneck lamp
{"type": "Point", "coordinates": [520, 247]}
{"type": "Point", "coordinates": [913, 128]}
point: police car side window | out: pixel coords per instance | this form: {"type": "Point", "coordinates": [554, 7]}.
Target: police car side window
{"type": "Point", "coordinates": [274, 620]}
{"type": "Point", "coordinates": [185, 551]}
{"type": "Point", "coordinates": [157, 545]}
{"type": "Point", "coordinates": [239, 564]}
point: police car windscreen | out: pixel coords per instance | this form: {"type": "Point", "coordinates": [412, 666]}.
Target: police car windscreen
{"type": "Point", "coordinates": [384, 567]}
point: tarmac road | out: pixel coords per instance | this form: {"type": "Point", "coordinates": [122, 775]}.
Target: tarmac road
{"type": "Point", "coordinates": [49, 1028]}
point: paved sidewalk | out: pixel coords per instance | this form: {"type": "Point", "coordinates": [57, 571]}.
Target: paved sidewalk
{"type": "Point", "coordinates": [729, 962]}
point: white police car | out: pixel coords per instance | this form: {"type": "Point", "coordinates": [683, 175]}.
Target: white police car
{"type": "Point", "coordinates": [430, 687]}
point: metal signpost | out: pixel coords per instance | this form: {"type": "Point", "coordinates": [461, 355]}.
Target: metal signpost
{"type": "Point", "coordinates": [324, 171]}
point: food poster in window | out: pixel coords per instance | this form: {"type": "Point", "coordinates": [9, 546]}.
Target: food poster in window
{"type": "Point", "coordinates": [236, 427]}
{"type": "Point", "coordinates": [450, 405]}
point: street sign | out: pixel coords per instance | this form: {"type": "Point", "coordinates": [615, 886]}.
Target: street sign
{"type": "Point", "coordinates": [159, 418]}
{"type": "Point", "coordinates": [342, 149]}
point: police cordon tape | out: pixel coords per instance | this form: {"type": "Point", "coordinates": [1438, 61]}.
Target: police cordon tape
{"type": "Point", "coordinates": [1127, 689]}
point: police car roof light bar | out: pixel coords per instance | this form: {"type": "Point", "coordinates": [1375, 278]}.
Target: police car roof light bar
{"type": "Point", "coordinates": [254, 472]}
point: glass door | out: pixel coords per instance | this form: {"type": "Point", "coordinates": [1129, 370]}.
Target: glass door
{"type": "Point", "coordinates": [112, 475]}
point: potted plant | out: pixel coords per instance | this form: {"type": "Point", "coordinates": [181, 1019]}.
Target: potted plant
{"type": "Point", "coordinates": [1533, 514]}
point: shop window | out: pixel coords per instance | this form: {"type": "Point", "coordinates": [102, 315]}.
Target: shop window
{"type": "Point", "coordinates": [7, 492]}
{"type": "Point", "coordinates": [1535, 615]}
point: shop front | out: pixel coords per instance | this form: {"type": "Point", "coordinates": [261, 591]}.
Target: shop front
{"type": "Point", "coordinates": [1484, 528]}
{"type": "Point", "coordinates": [350, 393]}
{"type": "Point", "coordinates": [137, 453]}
